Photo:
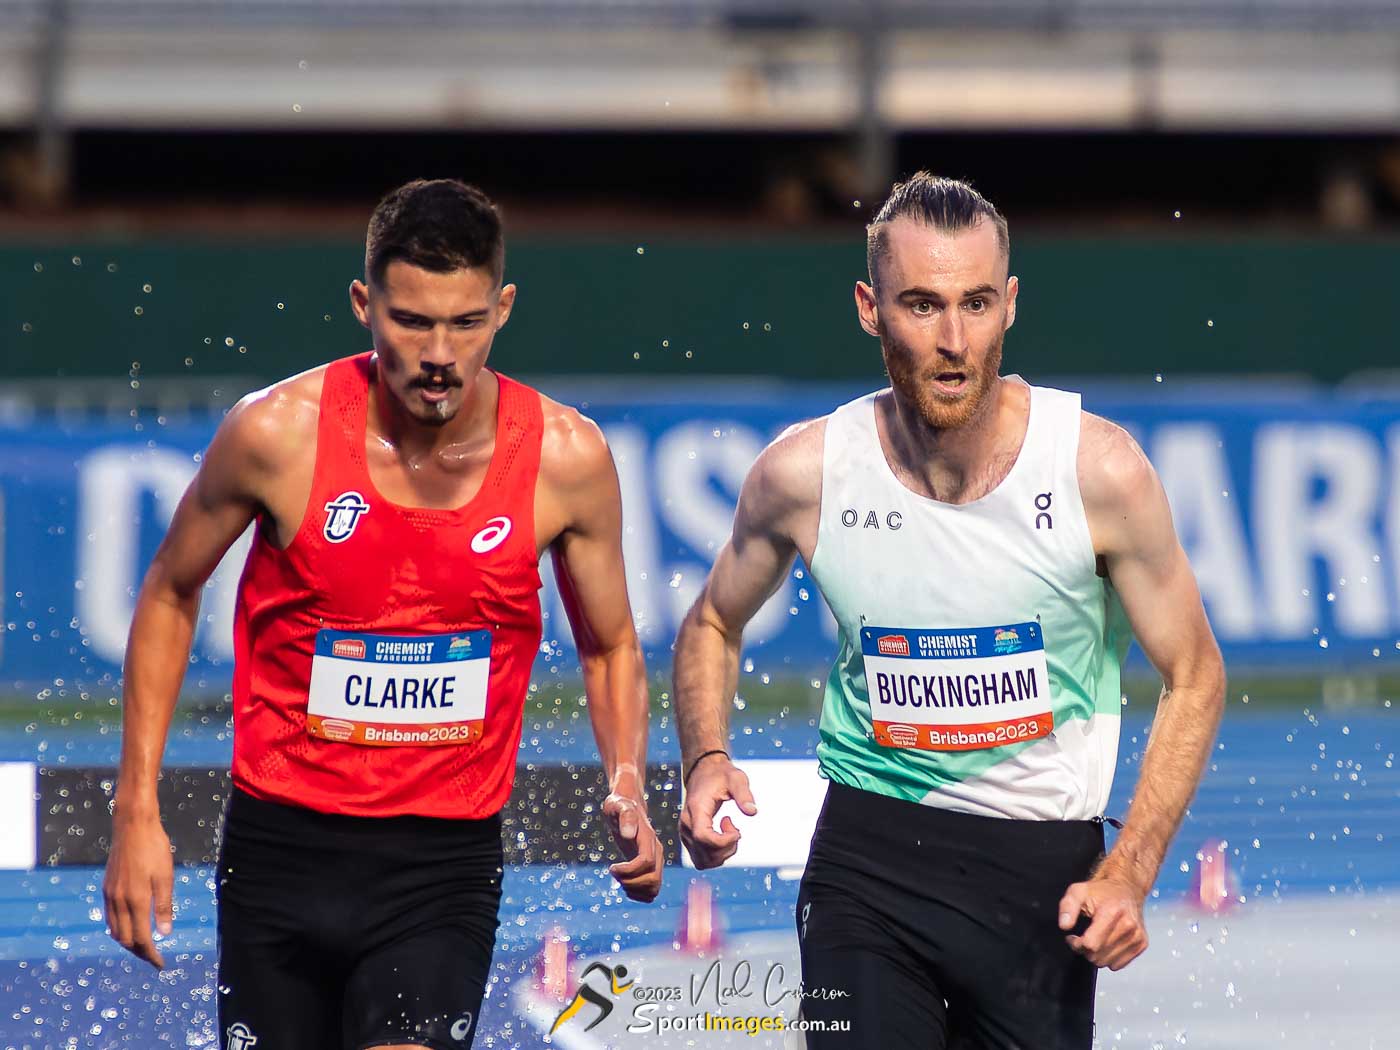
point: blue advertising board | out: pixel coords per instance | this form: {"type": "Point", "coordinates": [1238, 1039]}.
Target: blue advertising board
{"type": "Point", "coordinates": [1289, 507]}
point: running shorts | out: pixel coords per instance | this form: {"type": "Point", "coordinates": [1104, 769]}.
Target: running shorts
{"type": "Point", "coordinates": [340, 932]}
{"type": "Point", "coordinates": [924, 928]}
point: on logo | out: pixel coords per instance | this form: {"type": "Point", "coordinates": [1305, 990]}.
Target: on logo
{"type": "Point", "coordinates": [491, 537]}
{"type": "Point", "coordinates": [1042, 504]}
{"type": "Point", "coordinates": [240, 1037]}
{"type": "Point", "coordinates": [461, 1028]}
{"type": "Point", "coordinates": [343, 514]}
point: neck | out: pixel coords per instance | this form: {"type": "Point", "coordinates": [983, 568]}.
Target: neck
{"type": "Point", "coordinates": [475, 420]}
{"type": "Point", "coordinates": [944, 459]}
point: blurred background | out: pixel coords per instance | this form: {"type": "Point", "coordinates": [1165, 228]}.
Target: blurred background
{"type": "Point", "coordinates": [1204, 203]}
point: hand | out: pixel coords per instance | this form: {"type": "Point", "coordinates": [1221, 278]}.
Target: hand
{"type": "Point", "coordinates": [140, 874]}
{"type": "Point", "coordinates": [713, 782]}
{"type": "Point", "coordinates": [1116, 934]}
{"type": "Point", "coordinates": [640, 873]}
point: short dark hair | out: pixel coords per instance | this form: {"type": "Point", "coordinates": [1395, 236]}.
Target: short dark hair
{"type": "Point", "coordinates": [945, 204]}
{"type": "Point", "coordinates": [439, 225]}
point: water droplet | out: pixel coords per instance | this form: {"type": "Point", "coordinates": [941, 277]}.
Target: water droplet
{"type": "Point", "coordinates": [281, 306]}
{"type": "Point", "coordinates": [641, 250]}
{"type": "Point", "coordinates": [689, 354]}
{"type": "Point", "coordinates": [228, 340]}
{"type": "Point", "coordinates": [139, 311]}
{"type": "Point", "coordinates": [676, 580]}
{"type": "Point", "coordinates": [26, 327]}
{"type": "Point", "coordinates": [38, 267]}
{"type": "Point", "coordinates": [665, 342]}
{"type": "Point", "coordinates": [303, 64]}
{"type": "Point", "coordinates": [242, 349]}
{"type": "Point", "coordinates": [146, 288]}
{"type": "Point", "coordinates": [746, 326]}
{"type": "Point", "coordinates": [636, 355]}
{"type": "Point", "coordinates": [1322, 643]}
{"type": "Point", "coordinates": [767, 327]}
{"type": "Point", "coordinates": [1158, 377]}
{"type": "Point", "coordinates": [1176, 215]}
{"type": "Point", "coordinates": [77, 261]}
{"type": "Point", "coordinates": [1210, 323]}
{"type": "Point", "coordinates": [111, 267]}
{"type": "Point", "coordinates": [296, 107]}
{"type": "Point", "coordinates": [189, 361]}
{"type": "Point", "coordinates": [326, 317]}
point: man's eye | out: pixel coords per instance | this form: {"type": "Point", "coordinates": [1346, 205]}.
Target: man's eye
{"type": "Point", "coordinates": [923, 306]}
{"type": "Point", "coordinates": [977, 304]}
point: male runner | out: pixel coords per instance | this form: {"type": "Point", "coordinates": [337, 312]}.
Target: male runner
{"type": "Point", "coordinates": [386, 623]}
{"type": "Point", "coordinates": [979, 541]}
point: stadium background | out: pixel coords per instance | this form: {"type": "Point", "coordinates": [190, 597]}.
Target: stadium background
{"type": "Point", "coordinates": [1203, 202]}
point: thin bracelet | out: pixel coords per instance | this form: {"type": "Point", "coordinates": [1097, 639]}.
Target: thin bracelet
{"type": "Point", "coordinates": [685, 781]}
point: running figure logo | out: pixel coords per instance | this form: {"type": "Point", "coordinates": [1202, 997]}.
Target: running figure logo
{"type": "Point", "coordinates": [343, 514]}
{"type": "Point", "coordinates": [589, 994]}
{"type": "Point", "coordinates": [240, 1037]}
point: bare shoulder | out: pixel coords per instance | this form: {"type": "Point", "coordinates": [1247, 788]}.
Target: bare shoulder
{"type": "Point", "coordinates": [573, 450]}
{"type": "Point", "coordinates": [273, 426]}
{"type": "Point", "coordinates": [788, 473]}
{"type": "Point", "coordinates": [1113, 469]}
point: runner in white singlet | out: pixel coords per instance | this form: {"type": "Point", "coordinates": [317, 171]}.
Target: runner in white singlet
{"type": "Point", "coordinates": [987, 549]}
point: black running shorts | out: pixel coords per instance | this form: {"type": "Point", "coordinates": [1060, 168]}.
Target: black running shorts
{"type": "Point", "coordinates": [337, 933]}
{"type": "Point", "coordinates": [929, 929]}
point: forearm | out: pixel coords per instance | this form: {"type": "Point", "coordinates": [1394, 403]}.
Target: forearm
{"type": "Point", "coordinates": [618, 706]}
{"type": "Point", "coordinates": [157, 653]}
{"type": "Point", "coordinates": [1182, 737]}
{"type": "Point", "coordinates": [706, 676]}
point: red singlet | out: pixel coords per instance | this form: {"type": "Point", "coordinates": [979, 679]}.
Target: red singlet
{"type": "Point", "coordinates": [362, 564]}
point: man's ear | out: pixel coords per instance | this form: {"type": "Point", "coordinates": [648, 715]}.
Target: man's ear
{"type": "Point", "coordinates": [866, 309]}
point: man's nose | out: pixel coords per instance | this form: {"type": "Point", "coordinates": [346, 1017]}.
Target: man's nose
{"type": "Point", "coordinates": [437, 351]}
{"type": "Point", "coordinates": [949, 332]}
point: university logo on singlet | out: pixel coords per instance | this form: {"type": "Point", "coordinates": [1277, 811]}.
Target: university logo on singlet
{"type": "Point", "coordinates": [342, 515]}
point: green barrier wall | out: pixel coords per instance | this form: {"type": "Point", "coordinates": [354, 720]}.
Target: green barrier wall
{"type": "Point", "coordinates": [1118, 306]}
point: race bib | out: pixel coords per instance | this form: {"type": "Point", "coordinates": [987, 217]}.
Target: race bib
{"type": "Point", "coordinates": [392, 690]}
{"type": "Point", "coordinates": [957, 690]}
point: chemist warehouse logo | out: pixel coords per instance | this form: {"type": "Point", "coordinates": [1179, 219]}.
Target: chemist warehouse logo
{"type": "Point", "coordinates": [349, 648]}
{"type": "Point", "coordinates": [343, 514]}
{"type": "Point", "coordinates": [892, 645]}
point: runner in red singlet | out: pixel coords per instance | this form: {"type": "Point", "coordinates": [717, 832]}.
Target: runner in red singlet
{"type": "Point", "coordinates": [387, 620]}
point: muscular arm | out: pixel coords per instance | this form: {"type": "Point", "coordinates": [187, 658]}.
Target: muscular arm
{"type": "Point", "coordinates": [775, 519]}
{"type": "Point", "coordinates": [589, 569]}
{"type": "Point", "coordinates": [1132, 528]}
{"type": "Point", "coordinates": [219, 504]}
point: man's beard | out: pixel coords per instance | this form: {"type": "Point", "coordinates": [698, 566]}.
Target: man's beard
{"type": "Point", "coordinates": [939, 410]}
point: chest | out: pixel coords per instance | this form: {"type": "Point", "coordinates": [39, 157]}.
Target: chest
{"type": "Point", "coordinates": [439, 480]}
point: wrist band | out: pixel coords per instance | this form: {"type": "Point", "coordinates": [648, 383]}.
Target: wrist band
{"type": "Point", "coordinates": [685, 781]}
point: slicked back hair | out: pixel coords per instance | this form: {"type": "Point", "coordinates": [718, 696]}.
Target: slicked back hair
{"type": "Point", "coordinates": [439, 225]}
{"type": "Point", "coordinates": [945, 204]}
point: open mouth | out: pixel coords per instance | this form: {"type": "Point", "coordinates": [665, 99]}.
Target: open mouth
{"type": "Point", "coordinates": [950, 382]}
{"type": "Point", "coordinates": [435, 389]}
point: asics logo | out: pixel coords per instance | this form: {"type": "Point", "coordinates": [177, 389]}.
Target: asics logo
{"type": "Point", "coordinates": [461, 1028]}
{"type": "Point", "coordinates": [491, 537]}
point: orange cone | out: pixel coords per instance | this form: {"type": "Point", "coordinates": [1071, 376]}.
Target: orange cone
{"type": "Point", "coordinates": [1213, 885]}
{"type": "Point", "coordinates": [554, 966]}
{"type": "Point", "coordinates": [698, 931]}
